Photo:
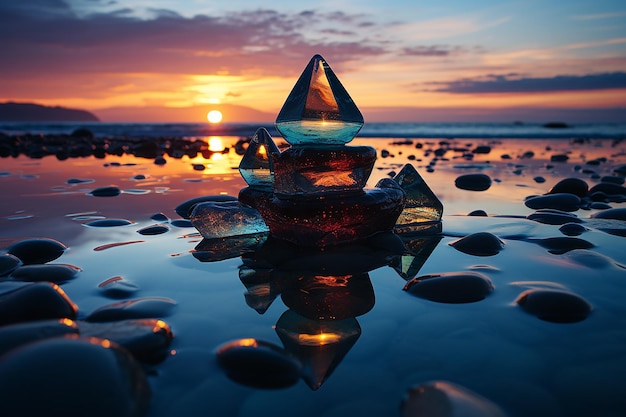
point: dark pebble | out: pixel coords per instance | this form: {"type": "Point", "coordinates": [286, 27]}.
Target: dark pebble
{"type": "Point", "coordinates": [572, 229]}
{"type": "Point", "coordinates": [159, 160]}
{"type": "Point", "coordinates": [139, 177]}
{"type": "Point", "coordinates": [482, 149]}
{"type": "Point", "coordinates": [608, 189]}
{"type": "Point", "coordinates": [148, 340]}
{"type": "Point", "coordinates": [160, 217]}
{"type": "Point", "coordinates": [8, 264]}
{"type": "Point", "coordinates": [451, 287]}
{"type": "Point", "coordinates": [184, 209]}
{"type": "Point", "coordinates": [560, 245]}
{"type": "Point", "coordinates": [72, 377]}
{"type": "Point", "coordinates": [620, 170]}
{"type": "Point", "coordinates": [561, 201]}
{"type": "Point", "coordinates": [181, 223]}
{"type": "Point", "coordinates": [106, 192]}
{"type": "Point", "coordinates": [599, 205]}
{"type": "Point", "coordinates": [117, 287]}
{"type": "Point", "coordinates": [478, 213]}
{"type": "Point", "coordinates": [15, 335]}
{"type": "Point", "coordinates": [615, 179]}
{"type": "Point", "coordinates": [572, 185]}
{"type": "Point", "coordinates": [559, 158]}
{"type": "Point", "coordinates": [527, 155]}
{"type": "Point", "coordinates": [479, 244]}
{"type": "Point", "coordinates": [37, 251]}
{"type": "Point", "coordinates": [473, 182]}
{"type": "Point", "coordinates": [259, 364]}
{"type": "Point", "coordinates": [555, 217]}
{"type": "Point", "coordinates": [71, 181]}
{"type": "Point", "coordinates": [384, 153]}
{"type": "Point", "coordinates": [139, 308]}
{"type": "Point", "coordinates": [505, 156]}
{"type": "Point", "coordinates": [156, 229]}
{"type": "Point", "coordinates": [57, 273]}
{"type": "Point", "coordinates": [613, 213]}
{"type": "Point", "coordinates": [554, 305]}
{"type": "Point", "coordinates": [199, 167]}
{"type": "Point", "coordinates": [21, 301]}
{"type": "Point", "coordinates": [109, 223]}
{"type": "Point", "coordinates": [539, 179]}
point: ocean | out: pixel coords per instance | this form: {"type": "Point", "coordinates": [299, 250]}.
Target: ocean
{"type": "Point", "coordinates": [369, 130]}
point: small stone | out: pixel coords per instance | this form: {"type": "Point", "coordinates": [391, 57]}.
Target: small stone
{"type": "Point", "coordinates": [256, 166]}
{"type": "Point", "coordinates": [479, 244]}
{"type": "Point", "coordinates": [620, 170]}
{"type": "Point", "coordinates": [148, 340]}
{"type": "Point", "coordinates": [139, 308]}
{"type": "Point", "coordinates": [598, 205]}
{"type": "Point", "coordinates": [57, 273]}
{"type": "Point", "coordinates": [539, 179]}
{"type": "Point", "coordinates": [615, 179]}
{"type": "Point", "coordinates": [8, 264]}
{"type": "Point", "coordinates": [184, 209]}
{"type": "Point", "coordinates": [16, 335]}
{"type": "Point", "coordinates": [423, 210]}
{"type": "Point", "coordinates": [451, 287]}
{"type": "Point", "coordinates": [21, 301]}
{"type": "Point", "coordinates": [608, 189]}
{"type": "Point", "coordinates": [160, 217]}
{"type": "Point", "coordinates": [559, 158]}
{"type": "Point", "coordinates": [478, 213]}
{"type": "Point", "coordinates": [572, 229]}
{"type": "Point", "coordinates": [482, 149]}
{"type": "Point", "coordinates": [108, 223]}
{"type": "Point", "coordinates": [37, 251]}
{"type": "Point", "coordinates": [548, 216]}
{"type": "Point", "coordinates": [614, 213]}
{"type": "Point", "coordinates": [554, 305]}
{"type": "Point", "coordinates": [181, 223]}
{"type": "Point", "coordinates": [560, 245]}
{"type": "Point", "coordinates": [70, 377]}
{"type": "Point", "coordinates": [117, 287]}
{"type": "Point", "coordinates": [258, 364]}
{"type": "Point", "coordinates": [445, 399]}
{"type": "Point", "coordinates": [473, 182]}
{"type": "Point", "coordinates": [155, 229]}
{"type": "Point", "coordinates": [574, 186]}
{"type": "Point", "coordinates": [227, 219]}
{"type": "Point", "coordinates": [159, 160]}
{"type": "Point", "coordinates": [106, 192]}
{"type": "Point", "coordinates": [560, 201]}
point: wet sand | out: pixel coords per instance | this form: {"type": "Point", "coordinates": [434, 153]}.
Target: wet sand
{"type": "Point", "coordinates": [525, 365]}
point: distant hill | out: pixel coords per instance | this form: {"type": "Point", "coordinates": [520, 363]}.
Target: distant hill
{"type": "Point", "coordinates": [30, 112]}
{"type": "Point", "coordinates": [232, 113]}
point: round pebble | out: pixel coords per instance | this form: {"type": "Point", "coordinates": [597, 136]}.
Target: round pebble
{"type": "Point", "coordinates": [160, 217]}
{"type": "Point", "coordinates": [15, 335]}
{"type": "Point", "coordinates": [554, 305]}
{"type": "Point", "coordinates": [473, 182]}
{"type": "Point", "coordinates": [560, 201]}
{"type": "Point", "coordinates": [108, 223]}
{"type": "Point", "coordinates": [156, 229]}
{"type": "Point", "coordinates": [608, 188]}
{"type": "Point", "coordinates": [37, 251]}
{"type": "Point", "coordinates": [117, 287]}
{"type": "Point", "coordinates": [148, 307]}
{"type": "Point", "coordinates": [572, 229]}
{"type": "Point", "coordinates": [22, 301]}
{"type": "Point", "coordinates": [106, 192]}
{"type": "Point", "coordinates": [181, 223]}
{"type": "Point", "coordinates": [615, 179]}
{"type": "Point", "coordinates": [451, 287]}
{"type": "Point", "coordinates": [554, 217]}
{"type": "Point", "coordinates": [57, 273]}
{"type": "Point", "coordinates": [539, 179]}
{"type": "Point", "coordinates": [478, 213]}
{"type": "Point", "coordinates": [559, 245]}
{"type": "Point", "coordinates": [8, 264]}
{"type": "Point", "coordinates": [574, 186]}
{"type": "Point", "coordinates": [613, 213]}
{"type": "Point", "coordinates": [71, 377]}
{"type": "Point", "coordinates": [259, 364]}
{"type": "Point", "coordinates": [479, 244]}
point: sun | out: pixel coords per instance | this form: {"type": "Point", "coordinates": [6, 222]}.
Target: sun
{"type": "Point", "coordinates": [214, 116]}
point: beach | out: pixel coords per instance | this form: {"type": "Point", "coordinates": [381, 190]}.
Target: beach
{"type": "Point", "coordinates": [495, 346]}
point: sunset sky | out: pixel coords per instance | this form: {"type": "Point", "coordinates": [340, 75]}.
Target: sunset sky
{"type": "Point", "coordinates": [400, 60]}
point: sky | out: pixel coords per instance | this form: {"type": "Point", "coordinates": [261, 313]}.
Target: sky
{"type": "Point", "coordinates": [400, 60]}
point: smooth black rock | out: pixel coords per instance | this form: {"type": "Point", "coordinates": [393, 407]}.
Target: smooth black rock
{"type": "Point", "coordinates": [599, 205]}
{"type": "Point", "coordinates": [539, 179]}
{"type": "Point", "coordinates": [482, 149]}
{"type": "Point", "coordinates": [109, 223]}
{"type": "Point", "coordinates": [554, 305]}
{"type": "Point", "coordinates": [560, 245]}
{"type": "Point", "coordinates": [574, 186]}
{"type": "Point", "coordinates": [556, 217]}
{"type": "Point", "coordinates": [139, 308]}
{"type": "Point", "coordinates": [473, 182]}
{"type": "Point", "coordinates": [37, 251]}
{"type": "Point", "coordinates": [184, 209]}
{"type": "Point", "coordinates": [106, 192]}
{"type": "Point", "coordinates": [259, 364]}
{"type": "Point", "coordinates": [160, 217]}
{"type": "Point", "coordinates": [608, 188]}
{"type": "Point", "coordinates": [57, 273]}
{"type": "Point", "coordinates": [479, 244]}
{"type": "Point", "coordinates": [572, 229]}
{"type": "Point", "coordinates": [560, 201]}
{"type": "Point", "coordinates": [8, 264]}
{"type": "Point", "coordinates": [614, 213]}
{"type": "Point", "coordinates": [16, 335]}
{"type": "Point", "coordinates": [72, 377]}
{"type": "Point", "coordinates": [181, 223]}
{"type": "Point", "coordinates": [117, 287]}
{"type": "Point", "coordinates": [148, 340]}
{"type": "Point", "coordinates": [21, 301]}
{"type": "Point", "coordinates": [620, 170]}
{"type": "Point", "coordinates": [451, 287]}
{"type": "Point", "coordinates": [478, 213]}
{"type": "Point", "coordinates": [614, 179]}
{"type": "Point", "coordinates": [155, 229]}
{"type": "Point", "coordinates": [559, 158]}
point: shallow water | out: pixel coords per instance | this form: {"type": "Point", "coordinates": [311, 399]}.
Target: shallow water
{"type": "Point", "coordinates": [525, 365]}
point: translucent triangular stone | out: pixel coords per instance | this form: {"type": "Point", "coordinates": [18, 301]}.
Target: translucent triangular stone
{"type": "Point", "coordinates": [256, 166]}
{"type": "Point", "coordinates": [419, 249]}
{"type": "Point", "coordinates": [423, 210]}
{"type": "Point", "coordinates": [319, 110]}
{"type": "Point", "coordinates": [320, 345]}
